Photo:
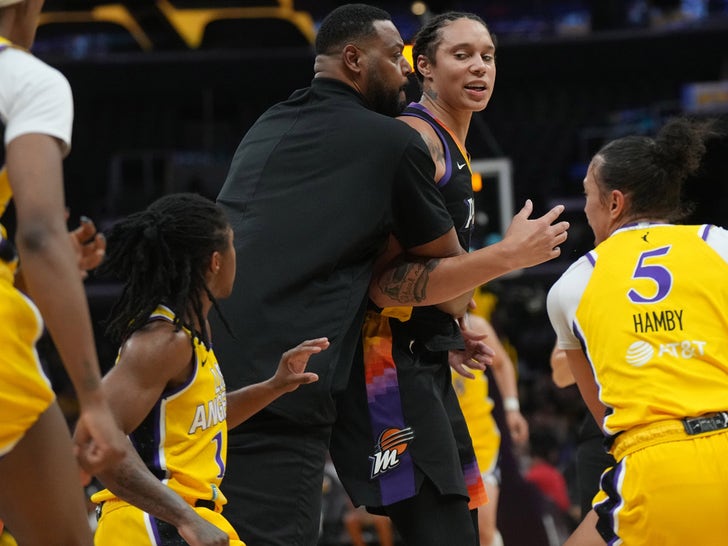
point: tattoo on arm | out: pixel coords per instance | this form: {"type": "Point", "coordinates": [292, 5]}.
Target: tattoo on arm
{"type": "Point", "coordinates": [436, 151]}
{"type": "Point", "coordinates": [407, 283]}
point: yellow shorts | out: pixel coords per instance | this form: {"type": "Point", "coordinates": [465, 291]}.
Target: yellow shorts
{"type": "Point", "coordinates": [6, 539]}
{"type": "Point", "coordinates": [122, 524]}
{"type": "Point", "coordinates": [667, 488]}
{"type": "Point", "coordinates": [487, 450]}
{"type": "Point", "coordinates": [25, 392]}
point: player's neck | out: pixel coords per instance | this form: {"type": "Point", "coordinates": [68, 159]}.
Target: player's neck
{"type": "Point", "coordinates": [457, 121]}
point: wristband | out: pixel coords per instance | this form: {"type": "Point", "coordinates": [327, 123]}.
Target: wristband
{"type": "Point", "coordinates": [510, 403]}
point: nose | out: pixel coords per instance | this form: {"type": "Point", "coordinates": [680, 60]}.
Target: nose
{"type": "Point", "coordinates": [479, 66]}
{"type": "Point", "coordinates": [406, 67]}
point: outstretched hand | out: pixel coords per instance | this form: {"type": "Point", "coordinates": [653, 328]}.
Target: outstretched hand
{"type": "Point", "coordinates": [291, 369]}
{"type": "Point", "coordinates": [476, 355]}
{"type": "Point", "coordinates": [536, 240]}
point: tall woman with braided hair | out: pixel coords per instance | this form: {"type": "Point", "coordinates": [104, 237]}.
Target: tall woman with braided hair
{"type": "Point", "coordinates": [642, 320]}
{"type": "Point", "coordinates": [176, 258]}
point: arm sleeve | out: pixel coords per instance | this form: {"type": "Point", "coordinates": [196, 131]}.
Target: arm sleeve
{"type": "Point", "coordinates": [38, 100]}
{"type": "Point", "coordinates": [563, 300]}
{"type": "Point", "coordinates": [718, 241]}
{"type": "Point", "coordinates": [420, 215]}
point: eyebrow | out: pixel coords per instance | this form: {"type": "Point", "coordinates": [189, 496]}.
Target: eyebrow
{"type": "Point", "coordinates": [470, 45]}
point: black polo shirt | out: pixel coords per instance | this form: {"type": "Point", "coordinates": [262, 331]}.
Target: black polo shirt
{"type": "Point", "coordinates": [314, 189]}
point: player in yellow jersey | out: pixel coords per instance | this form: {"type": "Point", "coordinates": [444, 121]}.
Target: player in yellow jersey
{"type": "Point", "coordinates": [477, 409]}
{"type": "Point", "coordinates": [41, 500]}
{"type": "Point", "coordinates": [642, 320]}
{"type": "Point", "coordinates": [176, 258]}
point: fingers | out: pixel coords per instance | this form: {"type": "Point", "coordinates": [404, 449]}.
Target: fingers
{"type": "Point", "coordinates": [308, 377]}
{"type": "Point", "coordinates": [307, 348]}
{"type": "Point", "coordinates": [553, 214]}
{"type": "Point", "coordinates": [89, 244]}
{"type": "Point", "coordinates": [319, 344]}
{"type": "Point", "coordinates": [85, 231]}
{"type": "Point", "coordinates": [98, 442]}
{"type": "Point", "coordinates": [527, 209]}
{"type": "Point", "coordinates": [460, 368]}
{"type": "Point", "coordinates": [100, 243]}
{"type": "Point", "coordinates": [94, 248]}
{"type": "Point", "coordinates": [487, 350]}
{"type": "Point", "coordinates": [560, 236]}
{"type": "Point", "coordinates": [473, 335]}
{"type": "Point", "coordinates": [476, 362]}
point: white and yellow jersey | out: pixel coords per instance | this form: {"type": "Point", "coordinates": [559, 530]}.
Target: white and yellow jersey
{"type": "Point", "coordinates": [649, 308]}
{"type": "Point", "coordinates": [183, 440]}
{"type": "Point", "coordinates": [34, 98]}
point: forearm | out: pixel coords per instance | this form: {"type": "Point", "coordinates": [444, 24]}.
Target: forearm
{"type": "Point", "coordinates": [49, 266]}
{"type": "Point", "coordinates": [505, 378]}
{"type": "Point", "coordinates": [246, 402]}
{"type": "Point", "coordinates": [585, 381]}
{"type": "Point", "coordinates": [422, 281]}
{"type": "Point", "coordinates": [459, 306]}
{"type": "Point", "coordinates": [560, 371]}
{"type": "Point", "coordinates": [431, 281]}
{"type": "Point", "coordinates": [132, 481]}
{"type": "Point", "coordinates": [53, 282]}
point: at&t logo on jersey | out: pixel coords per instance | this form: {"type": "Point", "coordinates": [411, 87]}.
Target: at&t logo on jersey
{"type": "Point", "coordinates": [640, 353]}
{"type": "Point", "coordinates": [392, 443]}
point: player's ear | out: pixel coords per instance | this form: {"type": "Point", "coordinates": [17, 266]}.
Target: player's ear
{"type": "Point", "coordinates": [422, 65]}
{"type": "Point", "coordinates": [617, 202]}
{"type": "Point", "coordinates": [215, 260]}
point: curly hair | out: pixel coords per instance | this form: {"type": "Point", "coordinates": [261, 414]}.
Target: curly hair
{"type": "Point", "coordinates": [161, 254]}
{"type": "Point", "coordinates": [347, 23]}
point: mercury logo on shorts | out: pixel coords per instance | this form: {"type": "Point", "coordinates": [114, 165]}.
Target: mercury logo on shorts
{"type": "Point", "coordinates": [392, 443]}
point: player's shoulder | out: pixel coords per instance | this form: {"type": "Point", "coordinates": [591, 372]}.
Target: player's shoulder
{"type": "Point", "coordinates": [717, 233]}
{"type": "Point", "coordinates": [576, 274]}
{"type": "Point", "coordinates": [33, 77]}
{"type": "Point", "coordinates": [25, 65]}
{"type": "Point", "coordinates": [158, 339]}
{"type": "Point", "coordinates": [585, 263]}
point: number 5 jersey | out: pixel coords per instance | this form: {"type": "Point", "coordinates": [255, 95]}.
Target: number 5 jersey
{"type": "Point", "coordinates": [627, 305]}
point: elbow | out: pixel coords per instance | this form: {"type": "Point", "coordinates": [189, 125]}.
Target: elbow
{"type": "Point", "coordinates": [34, 237]}
{"type": "Point", "coordinates": [378, 297]}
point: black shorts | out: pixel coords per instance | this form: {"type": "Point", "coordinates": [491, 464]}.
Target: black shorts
{"type": "Point", "coordinates": [399, 421]}
{"type": "Point", "coordinates": [273, 480]}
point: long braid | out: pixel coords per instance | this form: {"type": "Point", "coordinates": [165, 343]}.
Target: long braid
{"type": "Point", "coordinates": [161, 254]}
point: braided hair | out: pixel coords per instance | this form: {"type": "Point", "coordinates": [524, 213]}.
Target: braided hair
{"type": "Point", "coordinates": [161, 254]}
